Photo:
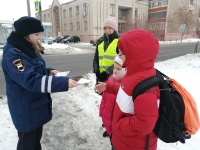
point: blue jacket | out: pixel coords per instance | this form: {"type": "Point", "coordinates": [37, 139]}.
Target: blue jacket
{"type": "Point", "coordinates": [28, 88]}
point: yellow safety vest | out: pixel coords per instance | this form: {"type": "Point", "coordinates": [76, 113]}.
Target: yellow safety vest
{"type": "Point", "coordinates": [106, 58]}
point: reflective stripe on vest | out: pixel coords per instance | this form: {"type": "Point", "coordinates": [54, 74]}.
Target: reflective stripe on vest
{"type": "Point", "coordinates": [106, 58]}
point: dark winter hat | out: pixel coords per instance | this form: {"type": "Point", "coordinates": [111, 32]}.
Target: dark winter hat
{"type": "Point", "coordinates": [28, 25]}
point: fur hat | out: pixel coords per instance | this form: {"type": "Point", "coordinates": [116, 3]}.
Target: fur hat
{"type": "Point", "coordinates": [28, 25]}
{"type": "Point", "coordinates": [111, 22]}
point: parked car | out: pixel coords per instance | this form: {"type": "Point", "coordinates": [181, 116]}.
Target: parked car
{"type": "Point", "coordinates": [74, 39]}
{"type": "Point", "coordinates": [63, 38]}
{"type": "Point", "coordinates": [58, 39]}
{"type": "Point", "coordinates": [53, 39]}
{"type": "Point", "coordinates": [46, 40]}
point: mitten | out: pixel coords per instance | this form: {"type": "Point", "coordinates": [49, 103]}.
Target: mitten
{"type": "Point", "coordinates": [104, 76]}
{"type": "Point", "coordinates": [105, 134]}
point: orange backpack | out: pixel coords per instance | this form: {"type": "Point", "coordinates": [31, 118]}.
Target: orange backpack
{"type": "Point", "coordinates": [178, 116]}
{"type": "Point", "coordinates": [191, 117]}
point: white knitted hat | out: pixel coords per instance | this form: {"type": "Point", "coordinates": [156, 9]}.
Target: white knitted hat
{"type": "Point", "coordinates": [111, 22]}
{"type": "Point", "coordinates": [118, 60]}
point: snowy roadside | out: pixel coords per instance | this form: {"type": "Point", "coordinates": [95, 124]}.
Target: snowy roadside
{"type": "Point", "coordinates": [59, 48]}
{"type": "Point", "coordinates": [76, 124]}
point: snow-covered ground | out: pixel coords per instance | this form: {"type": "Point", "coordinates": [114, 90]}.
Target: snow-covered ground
{"type": "Point", "coordinates": [76, 124]}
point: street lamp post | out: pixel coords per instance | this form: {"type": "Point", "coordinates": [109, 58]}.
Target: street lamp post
{"type": "Point", "coordinates": [28, 8]}
{"type": "Point", "coordinates": [40, 12]}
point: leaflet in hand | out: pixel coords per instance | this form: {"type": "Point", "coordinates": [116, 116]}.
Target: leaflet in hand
{"type": "Point", "coordinates": [64, 73]}
{"type": "Point", "coordinates": [83, 81]}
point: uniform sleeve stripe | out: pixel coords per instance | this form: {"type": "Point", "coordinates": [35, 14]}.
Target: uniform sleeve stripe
{"type": "Point", "coordinates": [49, 84]}
{"type": "Point", "coordinates": [43, 84]}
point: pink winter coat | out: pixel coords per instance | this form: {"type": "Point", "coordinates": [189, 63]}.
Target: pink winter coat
{"type": "Point", "coordinates": [106, 107]}
{"type": "Point", "coordinates": [132, 122]}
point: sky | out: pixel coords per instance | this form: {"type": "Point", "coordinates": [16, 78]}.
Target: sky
{"type": "Point", "coordinates": [10, 11]}
{"type": "Point", "coordinates": [76, 124]}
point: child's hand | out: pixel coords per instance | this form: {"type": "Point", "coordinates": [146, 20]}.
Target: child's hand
{"type": "Point", "coordinates": [101, 87]}
{"type": "Point", "coordinates": [72, 83]}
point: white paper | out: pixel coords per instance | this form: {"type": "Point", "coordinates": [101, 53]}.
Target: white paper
{"type": "Point", "coordinates": [83, 81]}
{"type": "Point", "coordinates": [64, 73]}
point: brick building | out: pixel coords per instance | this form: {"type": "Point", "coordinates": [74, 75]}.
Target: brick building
{"type": "Point", "coordinates": [85, 17]}
{"type": "Point", "coordinates": [162, 22]}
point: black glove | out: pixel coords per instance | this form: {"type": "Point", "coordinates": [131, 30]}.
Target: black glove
{"type": "Point", "coordinates": [105, 134]}
{"type": "Point", "coordinates": [110, 69]}
{"type": "Point", "coordinates": [104, 75]}
{"type": "Point", "coordinates": [97, 73]}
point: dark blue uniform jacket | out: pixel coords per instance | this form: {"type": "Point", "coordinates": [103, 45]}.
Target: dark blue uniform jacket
{"type": "Point", "coordinates": [28, 88]}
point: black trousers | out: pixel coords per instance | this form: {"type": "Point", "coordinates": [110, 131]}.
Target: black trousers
{"type": "Point", "coordinates": [30, 140]}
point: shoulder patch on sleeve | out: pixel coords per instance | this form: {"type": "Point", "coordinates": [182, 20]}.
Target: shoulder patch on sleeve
{"type": "Point", "coordinates": [17, 50]}
{"type": "Point", "coordinates": [19, 65]}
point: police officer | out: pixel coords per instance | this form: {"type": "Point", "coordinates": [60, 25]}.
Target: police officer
{"type": "Point", "coordinates": [106, 50]}
{"type": "Point", "coordinates": [29, 83]}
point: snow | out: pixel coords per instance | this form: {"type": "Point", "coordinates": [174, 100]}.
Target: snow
{"type": "Point", "coordinates": [76, 124]}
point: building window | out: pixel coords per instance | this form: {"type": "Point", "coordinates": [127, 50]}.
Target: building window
{"type": "Point", "coordinates": [121, 27]}
{"type": "Point", "coordinates": [136, 12]}
{"type": "Point", "coordinates": [65, 27]}
{"type": "Point", "coordinates": [158, 15]}
{"type": "Point", "coordinates": [85, 25]}
{"type": "Point", "coordinates": [64, 13]}
{"type": "Point", "coordinates": [45, 18]}
{"type": "Point", "coordinates": [121, 14]}
{"type": "Point", "coordinates": [158, 3]}
{"type": "Point", "coordinates": [112, 9]}
{"type": "Point", "coordinates": [154, 4]}
{"type": "Point", "coordinates": [84, 9]}
{"type": "Point", "coordinates": [77, 10]}
{"type": "Point", "coordinates": [157, 26]}
{"type": "Point", "coordinates": [57, 20]}
{"type": "Point", "coordinates": [49, 17]}
{"type": "Point", "coordinates": [163, 25]}
{"type": "Point", "coordinates": [71, 26]}
{"type": "Point", "coordinates": [70, 12]}
{"type": "Point", "coordinates": [78, 26]}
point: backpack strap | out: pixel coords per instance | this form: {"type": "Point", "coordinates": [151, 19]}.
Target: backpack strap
{"type": "Point", "coordinates": [147, 142]}
{"type": "Point", "coordinates": [145, 85]}
{"type": "Point", "coordinates": [164, 75]}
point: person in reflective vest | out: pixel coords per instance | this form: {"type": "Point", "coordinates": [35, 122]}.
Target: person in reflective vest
{"type": "Point", "coordinates": [106, 50]}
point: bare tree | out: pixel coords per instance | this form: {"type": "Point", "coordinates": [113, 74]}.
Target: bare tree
{"type": "Point", "coordinates": [197, 16]}
{"type": "Point", "coordinates": [186, 17]}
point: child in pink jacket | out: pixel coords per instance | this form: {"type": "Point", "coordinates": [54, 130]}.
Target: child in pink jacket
{"type": "Point", "coordinates": [108, 100]}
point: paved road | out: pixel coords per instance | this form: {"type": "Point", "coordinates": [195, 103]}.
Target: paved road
{"type": "Point", "coordinates": [175, 50]}
{"type": "Point", "coordinates": [82, 63]}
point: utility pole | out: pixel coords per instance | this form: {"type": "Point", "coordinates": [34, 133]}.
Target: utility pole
{"type": "Point", "coordinates": [40, 12]}
{"type": "Point", "coordinates": [28, 8]}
